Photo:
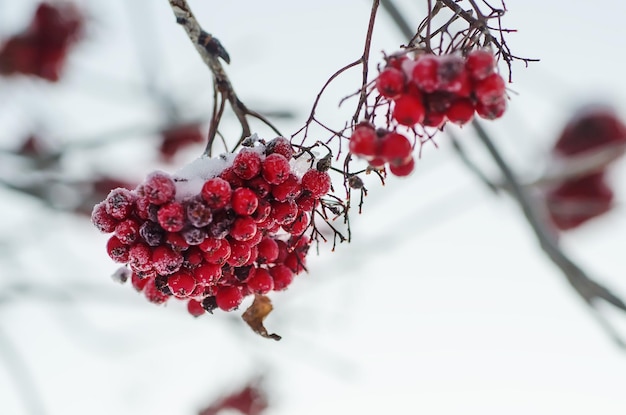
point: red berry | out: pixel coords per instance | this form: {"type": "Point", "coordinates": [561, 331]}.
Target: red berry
{"type": "Point", "coordinates": [262, 211]}
{"type": "Point", "coordinates": [395, 148]}
{"type": "Point", "coordinates": [195, 308]}
{"type": "Point", "coordinates": [490, 90]}
{"type": "Point", "coordinates": [216, 192]}
{"type": "Point", "coordinates": [220, 254]}
{"type": "Point", "coordinates": [240, 253]}
{"type": "Point", "coordinates": [140, 257]}
{"type": "Point", "coordinates": [364, 141]}
{"type": "Point", "coordinates": [176, 241]}
{"type": "Point", "coordinates": [284, 212]}
{"type": "Point", "coordinates": [461, 111]}
{"type": "Point", "coordinates": [316, 182]}
{"type": "Point", "coordinates": [306, 202]}
{"type": "Point", "coordinates": [259, 186]}
{"type": "Point", "coordinates": [193, 257]}
{"type": "Point", "coordinates": [102, 220]}
{"type": "Point", "coordinates": [480, 64]}
{"type": "Point", "coordinates": [228, 298]}
{"type": "Point", "coordinates": [578, 200]}
{"type": "Point", "coordinates": [117, 250]}
{"type": "Point", "coordinates": [138, 282]}
{"type": "Point", "coordinates": [434, 119]}
{"type": "Point", "coordinates": [120, 202]}
{"type": "Point", "coordinates": [280, 145]}
{"type": "Point", "coordinates": [231, 177]}
{"type": "Point", "coordinates": [181, 284]}
{"type": "Point", "coordinates": [276, 168]}
{"type": "Point", "coordinates": [402, 170]}
{"type": "Point", "coordinates": [287, 190]}
{"type": "Point", "coordinates": [153, 294]}
{"type": "Point", "coordinates": [208, 274]}
{"type": "Point", "coordinates": [408, 110]}
{"type": "Point", "coordinates": [424, 73]}
{"type": "Point", "coordinates": [295, 262]}
{"type": "Point", "coordinates": [592, 129]}
{"type": "Point", "coordinates": [210, 244]}
{"type": "Point", "coordinates": [247, 164]}
{"type": "Point", "coordinates": [159, 188]}
{"type": "Point", "coordinates": [243, 229]}
{"type": "Point", "coordinates": [390, 83]}
{"type": "Point", "coordinates": [491, 111]}
{"type": "Point", "coordinates": [171, 216]}
{"type": "Point", "coordinates": [127, 231]}
{"type": "Point", "coordinates": [198, 212]}
{"type": "Point", "coordinates": [299, 225]}
{"type": "Point", "coordinates": [452, 76]}
{"type": "Point", "coordinates": [262, 282]}
{"type": "Point", "coordinates": [244, 201]}
{"type": "Point", "coordinates": [268, 251]}
{"type": "Point", "coordinates": [166, 261]}
{"type": "Point", "coordinates": [282, 276]}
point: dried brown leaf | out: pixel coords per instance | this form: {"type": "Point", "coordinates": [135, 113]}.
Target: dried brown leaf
{"type": "Point", "coordinates": [256, 313]}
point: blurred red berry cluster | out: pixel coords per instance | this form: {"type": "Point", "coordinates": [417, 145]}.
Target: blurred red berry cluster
{"type": "Point", "coordinates": [41, 49]}
{"type": "Point", "coordinates": [178, 137]}
{"type": "Point", "coordinates": [218, 231]}
{"type": "Point", "coordinates": [579, 199]}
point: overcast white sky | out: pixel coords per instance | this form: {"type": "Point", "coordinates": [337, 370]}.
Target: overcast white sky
{"type": "Point", "coordinates": [443, 304]}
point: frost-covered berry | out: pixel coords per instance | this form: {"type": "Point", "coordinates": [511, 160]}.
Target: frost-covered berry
{"type": "Point", "coordinates": [247, 164]}
{"type": "Point", "coordinates": [166, 261]}
{"type": "Point", "coordinates": [299, 225]}
{"type": "Point", "coordinates": [119, 203]}
{"type": "Point", "coordinates": [171, 217]}
{"type": "Point", "coordinates": [127, 231]}
{"type": "Point", "coordinates": [316, 182]}
{"type": "Point", "coordinates": [390, 83]}
{"type": "Point", "coordinates": [216, 192]}
{"type": "Point", "coordinates": [490, 90]}
{"type": "Point", "coordinates": [480, 64]}
{"type": "Point", "coordinates": [284, 212]}
{"type": "Point", "coordinates": [102, 220]}
{"type": "Point", "coordinates": [220, 254]}
{"type": "Point", "coordinates": [243, 229]}
{"type": "Point", "coordinates": [287, 190]}
{"type": "Point", "coordinates": [228, 298]}
{"type": "Point", "coordinates": [240, 253]}
{"type": "Point", "coordinates": [198, 212]}
{"type": "Point", "coordinates": [140, 257]}
{"type": "Point", "coordinates": [159, 188]}
{"type": "Point", "coordinates": [244, 201]}
{"type": "Point", "coordinates": [181, 284]}
{"type": "Point", "coordinates": [276, 168]}
{"type": "Point", "coordinates": [153, 294]}
{"type": "Point", "coordinates": [194, 236]}
{"type": "Point", "coordinates": [118, 251]}
{"type": "Point", "coordinates": [208, 274]}
{"type": "Point", "coordinates": [425, 73]}
{"type": "Point", "coordinates": [491, 111]}
{"type": "Point", "coordinates": [280, 145]}
{"type": "Point", "coordinates": [151, 233]}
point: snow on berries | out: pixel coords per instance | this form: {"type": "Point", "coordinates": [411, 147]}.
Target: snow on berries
{"type": "Point", "coordinates": [427, 91]}
{"type": "Point", "coordinates": [219, 229]}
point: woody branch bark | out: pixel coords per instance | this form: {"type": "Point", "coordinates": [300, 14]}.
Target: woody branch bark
{"type": "Point", "coordinates": [211, 51]}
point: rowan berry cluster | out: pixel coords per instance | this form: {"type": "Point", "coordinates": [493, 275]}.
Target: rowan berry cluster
{"type": "Point", "coordinates": [218, 230]}
{"type": "Point", "coordinates": [430, 90]}
{"type": "Point", "coordinates": [41, 50]}
{"type": "Point", "coordinates": [580, 199]}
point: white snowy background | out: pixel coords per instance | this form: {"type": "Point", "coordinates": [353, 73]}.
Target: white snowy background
{"type": "Point", "coordinates": [442, 304]}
